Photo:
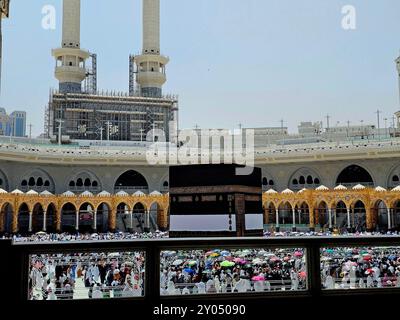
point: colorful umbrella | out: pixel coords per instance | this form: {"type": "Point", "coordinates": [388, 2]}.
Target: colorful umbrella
{"type": "Point", "coordinates": [177, 262]}
{"type": "Point", "coordinates": [227, 264]}
{"type": "Point", "coordinates": [258, 278]}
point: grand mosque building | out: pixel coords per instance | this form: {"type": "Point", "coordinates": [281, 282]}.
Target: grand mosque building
{"type": "Point", "coordinates": [61, 184]}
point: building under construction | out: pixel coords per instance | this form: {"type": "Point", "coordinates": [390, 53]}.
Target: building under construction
{"type": "Point", "coordinates": [77, 111]}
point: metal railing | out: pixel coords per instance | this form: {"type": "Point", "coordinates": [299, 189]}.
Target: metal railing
{"type": "Point", "coordinates": [17, 266]}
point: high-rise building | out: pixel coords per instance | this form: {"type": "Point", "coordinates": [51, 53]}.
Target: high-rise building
{"type": "Point", "coordinates": [18, 123]}
{"type": "Point", "coordinates": [82, 112]}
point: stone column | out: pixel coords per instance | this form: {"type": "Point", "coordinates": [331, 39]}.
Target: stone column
{"type": "Point", "coordinates": [389, 211]}
{"type": "Point", "coordinates": [146, 220]}
{"type": "Point", "coordinates": [77, 220]}
{"type": "Point", "coordinates": [266, 215]}
{"type": "Point", "coordinates": [369, 217]}
{"type": "Point", "coordinates": [294, 218]}
{"type": "Point", "coordinates": [30, 221]}
{"type": "Point", "coordinates": [330, 219]}
{"type": "Point", "coordinates": [44, 220]}
{"type": "Point", "coordinates": [58, 220]}
{"type": "Point", "coordinates": [312, 218]}
{"type": "Point", "coordinates": [95, 220]}
{"type": "Point", "coordinates": [348, 219]}
{"type": "Point", "coordinates": [112, 222]}
{"type": "Point", "coordinates": [277, 218]}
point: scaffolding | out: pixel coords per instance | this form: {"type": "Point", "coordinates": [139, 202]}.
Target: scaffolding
{"type": "Point", "coordinates": [90, 84]}
{"type": "Point", "coordinates": [108, 115]}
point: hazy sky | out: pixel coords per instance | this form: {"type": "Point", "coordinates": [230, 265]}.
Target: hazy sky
{"type": "Point", "coordinates": [232, 61]}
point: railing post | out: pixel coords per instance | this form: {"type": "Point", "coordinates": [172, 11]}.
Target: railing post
{"type": "Point", "coordinates": [152, 275]}
{"type": "Point", "coordinates": [313, 268]}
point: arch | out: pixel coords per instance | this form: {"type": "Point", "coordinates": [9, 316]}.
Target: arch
{"type": "Point", "coordinates": [396, 216]}
{"type": "Point", "coordinates": [103, 212]}
{"type": "Point", "coordinates": [131, 181]}
{"type": "Point", "coordinates": [285, 214]}
{"type": "Point", "coordinates": [269, 213]}
{"type": "Point", "coordinates": [394, 177]}
{"type": "Point", "coordinates": [86, 217]}
{"type": "Point", "coordinates": [268, 181]}
{"type": "Point", "coordinates": [359, 216]}
{"type": "Point", "coordinates": [322, 215]}
{"type": "Point", "coordinates": [4, 181]}
{"type": "Point", "coordinates": [51, 211]}
{"type": "Point", "coordinates": [340, 216]}
{"type": "Point", "coordinates": [23, 219]}
{"type": "Point", "coordinates": [36, 181]}
{"type": "Point", "coordinates": [37, 217]}
{"type": "Point", "coordinates": [6, 218]}
{"type": "Point", "coordinates": [353, 175]}
{"type": "Point", "coordinates": [39, 182]}
{"type": "Point", "coordinates": [68, 217]}
{"type": "Point", "coordinates": [302, 216]}
{"type": "Point", "coordinates": [157, 216]}
{"type": "Point", "coordinates": [380, 214]}
{"type": "Point", "coordinates": [124, 217]}
{"type": "Point", "coordinates": [143, 216]}
{"type": "Point", "coordinates": [304, 178]}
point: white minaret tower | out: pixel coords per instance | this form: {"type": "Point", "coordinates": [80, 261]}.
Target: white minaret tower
{"type": "Point", "coordinates": [151, 64]}
{"type": "Point", "coordinates": [397, 114]}
{"type": "Point", "coordinates": [70, 59]}
{"type": "Point", "coordinates": [398, 71]}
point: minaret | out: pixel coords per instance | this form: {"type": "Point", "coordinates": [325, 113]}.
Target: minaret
{"type": "Point", "coordinates": [398, 71]}
{"type": "Point", "coordinates": [4, 13]}
{"type": "Point", "coordinates": [151, 64]}
{"type": "Point", "coordinates": [70, 59]}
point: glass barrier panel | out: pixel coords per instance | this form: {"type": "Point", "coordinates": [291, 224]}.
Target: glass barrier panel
{"type": "Point", "coordinates": [230, 271]}
{"type": "Point", "coordinates": [78, 276]}
{"type": "Point", "coordinates": [344, 268]}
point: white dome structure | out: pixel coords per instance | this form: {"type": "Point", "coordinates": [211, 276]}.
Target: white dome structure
{"type": "Point", "coordinates": [156, 193]}
{"type": "Point", "coordinates": [287, 191]}
{"type": "Point", "coordinates": [122, 193]}
{"type": "Point", "coordinates": [68, 194]}
{"type": "Point", "coordinates": [104, 194]}
{"type": "Point", "coordinates": [46, 193]}
{"type": "Point", "coordinates": [271, 191]}
{"type": "Point", "coordinates": [139, 193]}
{"type": "Point", "coordinates": [359, 187]}
{"type": "Point", "coordinates": [340, 187]}
{"type": "Point", "coordinates": [17, 191]}
{"type": "Point", "coordinates": [322, 188]}
{"type": "Point", "coordinates": [380, 189]}
{"type": "Point", "coordinates": [86, 194]}
{"type": "Point", "coordinates": [32, 193]}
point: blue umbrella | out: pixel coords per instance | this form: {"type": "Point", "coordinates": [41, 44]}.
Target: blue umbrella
{"type": "Point", "coordinates": [188, 270]}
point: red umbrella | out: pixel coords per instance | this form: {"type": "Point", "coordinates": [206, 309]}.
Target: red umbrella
{"type": "Point", "coordinates": [303, 274]}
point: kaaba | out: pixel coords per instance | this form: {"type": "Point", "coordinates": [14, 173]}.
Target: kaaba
{"type": "Point", "coordinates": [214, 201]}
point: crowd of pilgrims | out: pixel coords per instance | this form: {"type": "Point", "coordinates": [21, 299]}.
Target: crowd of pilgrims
{"type": "Point", "coordinates": [109, 236]}
{"type": "Point", "coordinates": [117, 236]}
{"type": "Point", "coordinates": [223, 271]}
{"type": "Point", "coordinates": [351, 268]}
{"type": "Point", "coordinates": [86, 276]}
